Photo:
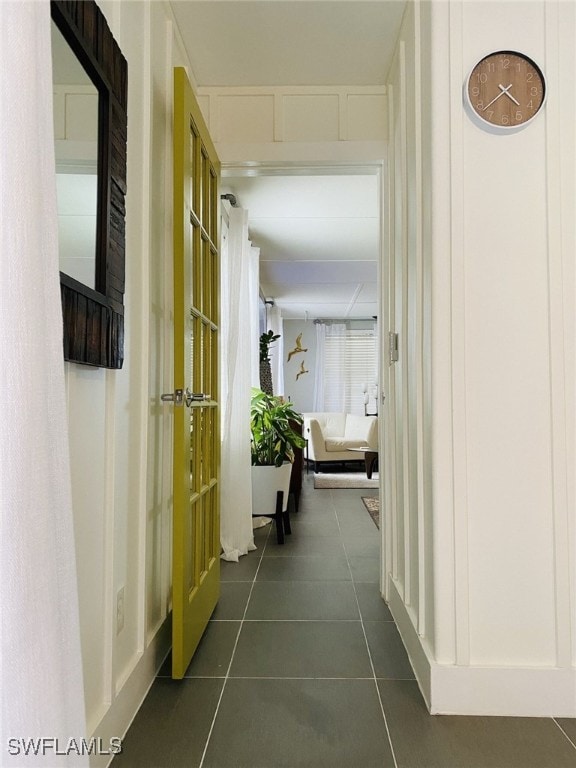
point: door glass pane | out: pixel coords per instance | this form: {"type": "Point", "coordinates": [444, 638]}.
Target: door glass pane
{"type": "Point", "coordinates": [207, 277]}
{"type": "Point", "coordinates": [213, 205]}
{"type": "Point", "coordinates": [201, 533]}
{"type": "Point", "coordinates": [214, 315]}
{"type": "Point", "coordinates": [189, 568]}
{"type": "Point", "coordinates": [195, 144]}
{"type": "Point", "coordinates": [197, 268]}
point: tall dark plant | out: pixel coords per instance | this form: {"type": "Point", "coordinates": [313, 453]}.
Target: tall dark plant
{"type": "Point", "coordinates": [266, 339]}
{"type": "Point", "coordinates": [273, 438]}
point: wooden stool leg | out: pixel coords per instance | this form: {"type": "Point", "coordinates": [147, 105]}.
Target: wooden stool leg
{"type": "Point", "coordinates": [296, 500]}
{"type": "Point", "coordinates": [286, 519]}
{"type": "Point", "coordinates": [278, 518]}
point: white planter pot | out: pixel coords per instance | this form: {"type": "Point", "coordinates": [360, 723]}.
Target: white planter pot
{"type": "Point", "coordinates": [266, 482]}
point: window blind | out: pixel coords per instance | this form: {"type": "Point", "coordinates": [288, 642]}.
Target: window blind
{"type": "Point", "coordinates": [350, 361]}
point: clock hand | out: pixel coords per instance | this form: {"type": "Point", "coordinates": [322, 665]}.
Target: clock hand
{"type": "Point", "coordinates": [505, 90]}
{"type": "Point", "coordinates": [502, 92]}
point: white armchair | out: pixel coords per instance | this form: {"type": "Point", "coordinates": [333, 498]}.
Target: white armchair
{"type": "Point", "coordinates": [331, 435]}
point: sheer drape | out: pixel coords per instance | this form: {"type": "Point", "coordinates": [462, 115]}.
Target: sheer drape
{"type": "Point", "coordinates": [330, 391]}
{"type": "Point", "coordinates": [41, 669]}
{"type": "Point", "coordinates": [277, 350]}
{"type": "Point", "coordinates": [253, 315]}
{"type": "Point", "coordinates": [318, 400]}
{"type": "Point", "coordinates": [236, 345]}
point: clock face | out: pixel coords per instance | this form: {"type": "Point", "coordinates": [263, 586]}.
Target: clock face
{"type": "Point", "coordinates": [506, 89]}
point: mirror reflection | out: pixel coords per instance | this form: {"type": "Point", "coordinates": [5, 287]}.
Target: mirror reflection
{"type": "Point", "coordinates": [76, 147]}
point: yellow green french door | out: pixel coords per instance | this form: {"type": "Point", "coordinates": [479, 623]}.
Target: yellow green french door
{"type": "Point", "coordinates": [196, 522]}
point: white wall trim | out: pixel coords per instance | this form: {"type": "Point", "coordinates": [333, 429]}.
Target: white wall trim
{"type": "Point", "coordinates": [293, 90]}
{"type": "Point", "coordinates": [557, 333]}
{"type": "Point", "coordinates": [489, 691]}
{"type": "Point", "coordinates": [420, 339]}
{"type": "Point", "coordinates": [350, 152]}
{"type": "Point", "coordinates": [419, 657]}
{"type": "Point", "coordinates": [459, 373]}
{"type": "Point", "coordinates": [141, 336]}
{"type": "Point", "coordinates": [503, 691]}
{"type": "Point", "coordinates": [129, 698]}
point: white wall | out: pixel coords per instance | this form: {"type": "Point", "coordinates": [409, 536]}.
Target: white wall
{"type": "Point", "coordinates": [482, 559]}
{"type": "Point", "coordinates": [488, 542]}
{"type": "Point", "coordinates": [301, 391]}
{"type": "Point", "coordinates": [120, 434]}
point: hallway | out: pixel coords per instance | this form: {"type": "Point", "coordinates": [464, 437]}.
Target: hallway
{"type": "Point", "coordinates": [302, 667]}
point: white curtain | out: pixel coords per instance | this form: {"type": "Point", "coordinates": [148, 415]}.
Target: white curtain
{"type": "Point", "coordinates": [329, 387]}
{"type": "Point", "coordinates": [41, 669]}
{"type": "Point", "coordinates": [253, 313]}
{"type": "Point", "coordinates": [318, 400]}
{"type": "Point", "coordinates": [236, 354]}
{"type": "Point", "coordinates": [277, 350]}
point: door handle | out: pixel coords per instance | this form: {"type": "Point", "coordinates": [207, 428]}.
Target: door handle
{"type": "Point", "coordinates": [176, 397]}
{"type": "Point", "coordinates": [179, 397]}
{"type": "Point", "coordinates": [196, 397]}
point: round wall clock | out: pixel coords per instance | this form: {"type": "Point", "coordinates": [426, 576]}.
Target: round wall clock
{"type": "Point", "coordinates": [506, 89]}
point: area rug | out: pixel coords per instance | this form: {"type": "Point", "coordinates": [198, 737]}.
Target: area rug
{"type": "Point", "coordinates": [373, 507]}
{"type": "Point", "coordinates": [345, 480]}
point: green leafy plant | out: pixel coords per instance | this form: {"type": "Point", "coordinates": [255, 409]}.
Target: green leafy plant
{"type": "Point", "coordinates": [273, 438]}
{"type": "Point", "coordinates": [266, 339]}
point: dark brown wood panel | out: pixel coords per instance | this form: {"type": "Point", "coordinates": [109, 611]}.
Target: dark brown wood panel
{"type": "Point", "coordinates": [94, 319]}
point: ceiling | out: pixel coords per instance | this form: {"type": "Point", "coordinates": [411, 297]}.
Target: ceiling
{"type": "Point", "coordinates": [318, 230]}
{"type": "Point", "coordinates": [319, 241]}
{"type": "Point", "coordinates": [289, 42]}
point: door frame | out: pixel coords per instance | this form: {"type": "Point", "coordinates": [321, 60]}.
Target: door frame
{"type": "Point", "coordinates": [377, 168]}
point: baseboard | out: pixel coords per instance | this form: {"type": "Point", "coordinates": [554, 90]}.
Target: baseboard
{"type": "Point", "coordinates": [492, 691]}
{"type": "Point", "coordinates": [504, 691]}
{"type": "Point", "coordinates": [419, 658]}
{"type": "Point", "coordinates": [123, 709]}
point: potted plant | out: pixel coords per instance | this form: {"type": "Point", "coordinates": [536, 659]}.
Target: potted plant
{"type": "Point", "coordinates": [273, 440]}
{"type": "Point", "coordinates": [266, 339]}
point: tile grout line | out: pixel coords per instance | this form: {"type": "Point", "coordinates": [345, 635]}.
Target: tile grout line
{"type": "Point", "coordinates": [374, 678]}
{"type": "Point", "coordinates": [564, 732]}
{"type": "Point", "coordinates": [227, 676]}
{"type": "Point", "coordinates": [299, 677]}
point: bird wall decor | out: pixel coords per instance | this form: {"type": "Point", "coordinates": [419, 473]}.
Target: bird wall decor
{"type": "Point", "coordinates": [302, 370]}
{"type": "Point", "coordinates": [298, 348]}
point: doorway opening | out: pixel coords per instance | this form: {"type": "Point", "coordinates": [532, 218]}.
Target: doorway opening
{"type": "Point", "coordinates": [319, 229]}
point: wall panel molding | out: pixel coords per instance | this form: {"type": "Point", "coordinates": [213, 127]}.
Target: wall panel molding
{"type": "Point", "coordinates": [563, 546]}
{"type": "Point", "coordinates": [458, 340]}
{"type": "Point", "coordinates": [296, 113]}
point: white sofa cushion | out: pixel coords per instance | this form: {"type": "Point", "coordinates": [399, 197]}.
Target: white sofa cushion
{"type": "Point", "coordinates": [362, 427]}
{"type": "Point", "coordinates": [331, 424]}
{"type": "Point", "coordinates": [331, 435]}
{"type": "Point", "coordinates": [342, 444]}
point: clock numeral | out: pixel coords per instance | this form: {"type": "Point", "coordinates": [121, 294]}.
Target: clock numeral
{"type": "Point", "coordinates": [530, 104]}
{"type": "Point", "coordinates": [482, 77]}
{"type": "Point", "coordinates": [533, 91]}
{"type": "Point", "coordinates": [529, 77]}
{"type": "Point", "coordinates": [480, 104]}
{"type": "Point", "coordinates": [475, 91]}
{"type": "Point", "coordinates": [518, 116]}
{"type": "Point", "coordinates": [505, 120]}
{"type": "Point", "coordinates": [490, 66]}
{"type": "Point", "coordinates": [490, 113]}
{"type": "Point", "coordinates": [505, 63]}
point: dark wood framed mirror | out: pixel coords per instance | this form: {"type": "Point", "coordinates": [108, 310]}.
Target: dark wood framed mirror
{"type": "Point", "coordinates": [93, 306]}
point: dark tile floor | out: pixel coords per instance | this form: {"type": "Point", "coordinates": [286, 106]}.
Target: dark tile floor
{"type": "Point", "coordinates": [302, 667]}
